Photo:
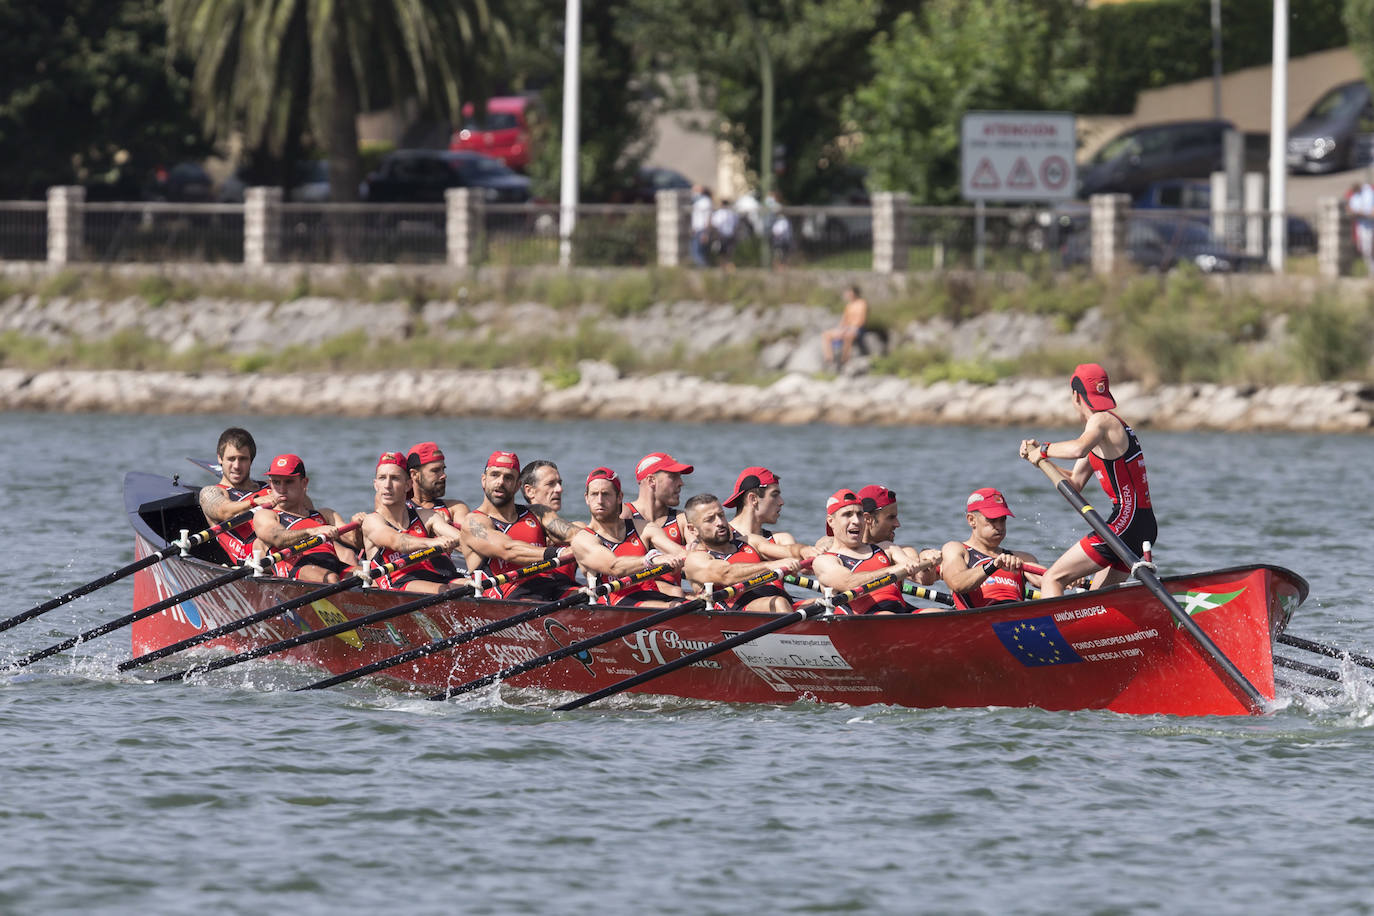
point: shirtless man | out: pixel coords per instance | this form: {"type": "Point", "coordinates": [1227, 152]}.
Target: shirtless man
{"type": "Point", "coordinates": [429, 480]}
{"type": "Point", "coordinates": [838, 342]}
{"type": "Point", "coordinates": [293, 520]}
{"type": "Point", "coordinates": [396, 527]}
{"type": "Point", "coordinates": [613, 547]}
{"type": "Point", "coordinates": [851, 561]}
{"type": "Point", "coordinates": [500, 536]}
{"type": "Point", "coordinates": [979, 571]}
{"type": "Point", "coordinates": [1109, 449]}
{"type": "Point", "coordinates": [660, 488]}
{"type": "Point", "coordinates": [723, 558]}
{"type": "Point", "coordinates": [236, 492]}
{"type": "Point", "coordinates": [757, 501]}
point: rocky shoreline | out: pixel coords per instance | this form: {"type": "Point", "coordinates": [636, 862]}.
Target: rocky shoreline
{"type": "Point", "coordinates": [601, 393]}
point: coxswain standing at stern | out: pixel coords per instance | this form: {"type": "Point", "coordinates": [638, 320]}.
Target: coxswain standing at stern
{"type": "Point", "coordinates": [978, 571]}
{"type": "Point", "coordinates": [1109, 449]}
{"type": "Point", "coordinates": [293, 520]}
{"type": "Point", "coordinates": [396, 527]}
{"type": "Point", "coordinates": [500, 536]}
{"type": "Point", "coordinates": [236, 492]}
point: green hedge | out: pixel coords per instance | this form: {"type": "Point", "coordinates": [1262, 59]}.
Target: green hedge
{"type": "Point", "coordinates": [1151, 43]}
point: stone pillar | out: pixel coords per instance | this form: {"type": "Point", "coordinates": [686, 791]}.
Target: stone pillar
{"type": "Point", "coordinates": [1256, 199]}
{"type": "Point", "coordinates": [261, 226]}
{"type": "Point", "coordinates": [1335, 247]}
{"type": "Point", "coordinates": [674, 227]}
{"type": "Point", "coordinates": [465, 227]}
{"type": "Point", "coordinates": [66, 224]}
{"type": "Point", "coordinates": [891, 236]}
{"type": "Point", "coordinates": [1221, 204]}
{"type": "Point", "coordinates": [1109, 213]}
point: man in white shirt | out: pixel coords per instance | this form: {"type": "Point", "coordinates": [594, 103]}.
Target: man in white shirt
{"type": "Point", "coordinates": [701, 224]}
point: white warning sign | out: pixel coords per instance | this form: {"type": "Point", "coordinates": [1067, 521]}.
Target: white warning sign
{"type": "Point", "coordinates": [1018, 155]}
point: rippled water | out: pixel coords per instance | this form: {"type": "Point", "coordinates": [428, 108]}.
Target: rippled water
{"type": "Point", "coordinates": [121, 796]}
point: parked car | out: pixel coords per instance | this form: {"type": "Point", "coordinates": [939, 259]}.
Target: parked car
{"type": "Point", "coordinates": [649, 180]}
{"type": "Point", "coordinates": [1162, 243]}
{"type": "Point", "coordinates": [1336, 133]}
{"type": "Point", "coordinates": [185, 182]}
{"type": "Point", "coordinates": [1196, 196]}
{"type": "Point", "coordinates": [1130, 161]}
{"type": "Point", "coordinates": [310, 184]}
{"type": "Point", "coordinates": [423, 175]}
{"type": "Point", "coordinates": [503, 133]}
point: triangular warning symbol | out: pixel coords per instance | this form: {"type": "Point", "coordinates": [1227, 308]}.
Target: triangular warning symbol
{"type": "Point", "coordinates": [1021, 175]}
{"type": "Point", "coordinates": [985, 176]}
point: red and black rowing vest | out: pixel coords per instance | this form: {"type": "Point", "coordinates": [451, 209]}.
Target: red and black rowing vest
{"type": "Point", "coordinates": [526, 527]}
{"type": "Point", "coordinates": [324, 552]}
{"type": "Point", "coordinates": [887, 598]}
{"type": "Point", "coordinates": [672, 524]}
{"type": "Point", "coordinates": [629, 546]}
{"type": "Point", "coordinates": [741, 551]}
{"type": "Point", "coordinates": [1001, 587]}
{"type": "Point", "coordinates": [1124, 481]}
{"type": "Point", "coordinates": [434, 569]}
{"type": "Point", "coordinates": [238, 541]}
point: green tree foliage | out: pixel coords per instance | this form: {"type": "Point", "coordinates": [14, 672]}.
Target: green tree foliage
{"type": "Point", "coordinates": [614, 118]}
{"type": "Point", "coordinates": [819, 53]}
{"type": "Point", "coordinates": [270, 68]}
{"type": "Point", "coordinates": [85, 87]}
{"type": "Point", "coordinates": [957, 56]}
{"type": "Point", "coordinates": [1359, 22]}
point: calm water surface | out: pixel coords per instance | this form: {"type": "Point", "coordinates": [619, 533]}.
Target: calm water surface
{"type": "Point", "coordinates": [121, 796]}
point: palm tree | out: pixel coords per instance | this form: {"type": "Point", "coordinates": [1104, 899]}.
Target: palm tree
{"type": "Point", "coordinates": [272, 68]}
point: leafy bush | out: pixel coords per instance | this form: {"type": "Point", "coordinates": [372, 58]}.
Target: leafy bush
{"type": "Point", "coordinates": [1331, 339]}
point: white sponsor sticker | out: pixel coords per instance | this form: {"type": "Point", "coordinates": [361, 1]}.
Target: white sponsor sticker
{"type": "Point", "coordinates": [780, 651]}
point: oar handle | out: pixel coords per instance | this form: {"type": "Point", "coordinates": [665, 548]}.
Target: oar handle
{"type": "Point", "coordinates": [1240, 685]}
{"type": "Point", "coordinates": [908, 588]}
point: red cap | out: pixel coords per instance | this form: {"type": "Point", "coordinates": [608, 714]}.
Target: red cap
{"type": "Point", "coordinates": [286, 466]}
{"type": "Point", "coordinates": [1090, 380]}
{"type": "Point", "coordinates": [875, 497]}
{"type": "Point", "coordinates": [837, 501]}
{"type": "Point", "coordinates": [660, 461]}
{"type": "Point", "coordinates": [604, 474]}
{"type": "Point", "coordinates": [988, 501]}
{"type": "Point", "coordinates": [396, 458]}
{"type": "Point", "coordinates": [423, 453]}
{"type": "Point", "coordinates": [504, 460]}
{"type": "Point", "coordinates": [748, 479]}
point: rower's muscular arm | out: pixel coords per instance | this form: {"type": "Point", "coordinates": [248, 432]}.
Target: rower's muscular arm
{"type": "Point", "coordinates": [831, 573]}
{"type": "Point", "coordinates": [482, 539]}
{"type": "Point", "coordinates": [700, 566]}
{"type": "Point", "coordinates": [217, 506]}
{"type": "Point", "coordinates": [594, 557]}
{"type": "Point", "coordinates": [773, 550]}
{"type": "Point", "coordinates": [961, 577]}
{"type": "Point", "coordinates": [558, 528]}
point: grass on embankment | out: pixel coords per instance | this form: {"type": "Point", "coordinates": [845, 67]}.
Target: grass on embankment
{"type": "Point", "coordinates": [1175, 328]}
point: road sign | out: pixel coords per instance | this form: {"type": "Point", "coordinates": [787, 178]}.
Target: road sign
{"type": "Point", "coordinates": [1018, 155]}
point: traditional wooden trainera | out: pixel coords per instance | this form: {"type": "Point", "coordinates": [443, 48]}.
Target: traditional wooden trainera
{"type": "Point", "coordinates": [1118, 649]}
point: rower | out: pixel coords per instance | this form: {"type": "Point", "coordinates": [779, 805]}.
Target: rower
{"type": "Point", "coordinates": [757, 501]}
{"type": "Point", "coordinates": [722, 557]}
{"type": "Point", "coordinates": [542, 485]}
{"type": "Point", "coordinates": [851, 561]}
{"type": "Point", "coordinates": [500, 536]}
{"type": "Point", "coordinates": [880, 528]}
{"type": "Point", "coordinates": [1109, 449]}
{"type": "Point", "coordinates": [293, 520]}
{"type": "Point", "coordinates": [613, 547]}
{"type": "Point", "coordinates": [235, 492]}
{"type": "Point", "coordinates": [396, 527]}
{"type": "Point", "coordinates": [978, 571]}
{"type": "Point", "coordinates": [429, 480]}
{"type": "Point", "coordinates": [660, 487]}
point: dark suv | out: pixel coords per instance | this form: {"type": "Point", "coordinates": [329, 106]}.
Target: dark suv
{"type": "Point", "coordinates": [1336, 132]}
{"type": "Point", "coordinates": [423, 175]}
{"type": "Point", "coordinates": [1130, 161]}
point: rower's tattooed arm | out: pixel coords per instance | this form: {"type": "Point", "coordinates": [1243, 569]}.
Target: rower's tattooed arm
{"type": "Point", "coordinates": [560, 529]}
{"type": "Point", "coordinates": [217, 506]}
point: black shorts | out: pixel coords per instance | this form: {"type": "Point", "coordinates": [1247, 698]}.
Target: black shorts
{"type": "Point", "coordinates": [762, 591]}
{"type": "Point", "coordinates": [542, 589]}
{"type": "Point", "coordinates": [324, 560]}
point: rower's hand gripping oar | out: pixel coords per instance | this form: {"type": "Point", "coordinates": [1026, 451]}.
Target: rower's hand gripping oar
{"type": "Point", "coordinates": [277, 610]}
{"type": "Point", "coordinates": [581, 596]}
{"type": "Point", "coordinates": [1244, 691]}
{"type": "Point", "coordinates": [668, 613]}
{"type": "Point", "coordinates": [908, 588]}
{"type": "Point", "coordinates": [462, 591]}
{"type": "Point", "coordinates": [181, 545]}
{"type": "Point", "coordinates": [158, 607]}
{"type": "Point", "coordinates": [814, 608]}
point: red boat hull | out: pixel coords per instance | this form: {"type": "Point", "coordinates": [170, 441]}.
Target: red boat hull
{"type": "Point", "coordinates": [1116, 649]}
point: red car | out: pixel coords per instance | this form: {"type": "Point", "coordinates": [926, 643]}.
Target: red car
{"type": "Point", "coordinates": [503, 134]}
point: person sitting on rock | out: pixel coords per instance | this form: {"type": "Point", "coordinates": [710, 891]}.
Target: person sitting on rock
{"type": "Point", "coordinates": [838, 342]}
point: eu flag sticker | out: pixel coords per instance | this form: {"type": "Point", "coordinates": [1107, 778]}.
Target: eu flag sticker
{"type": "Point", "coordinates": [1036, 642]}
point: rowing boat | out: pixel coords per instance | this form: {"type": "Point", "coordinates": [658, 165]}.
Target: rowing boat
{"type": "Point", "coordinates": [1117, 649]}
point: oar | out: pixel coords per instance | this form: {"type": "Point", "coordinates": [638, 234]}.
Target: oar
{"type": "Point", "coordinates": [1298, 642]}
{"type": "Point", "coordinates": [462, 591]}
{"type": "Point", "coordinates": [1239, 684]}
{"type": "Point", "coordinates": [908, 588]}
{"type": "Point", "coordinates": [160, 606]}
{"type": "Point", "coordinates": [643, 623]}
{"type": "Point", "coordinates": [1305, 668]}
{"type": "Point", "coordinates": [581, 596]}
{"type": "Point", "coordinates": [810, 609]}
{"type": "Point", "coordinates": [277, 610]}
{"type": "Point", "coordinates": [180, 544]}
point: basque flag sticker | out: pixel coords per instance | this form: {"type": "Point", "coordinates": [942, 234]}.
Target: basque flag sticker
{"type": "Point", "coordinates": [1036, 642]}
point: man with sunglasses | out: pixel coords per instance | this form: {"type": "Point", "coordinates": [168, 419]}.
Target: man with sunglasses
{"type": "Point", "coordinates": [1109, 449]}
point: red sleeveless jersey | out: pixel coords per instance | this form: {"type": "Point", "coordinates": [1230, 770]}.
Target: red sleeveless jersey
{"type": "Point", "coordinates": [238, 541]}
{"type": "Point", "coordinates": [1001, 587]}
{"type": "Point", "coordinates": [868, 603]}
{"type": "Point", "coordinates": [526, 527]}
{"type": "Point", "coordinates": [434, 569]}
{"type": "Point", "coordinates": [1124, 478]}
{"type": "Point", "coordinates": [741, 551]}
{"type": "Point", "coordinates": [292, 522]}
{"type": "Point", "coordinates": [629, 546]}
